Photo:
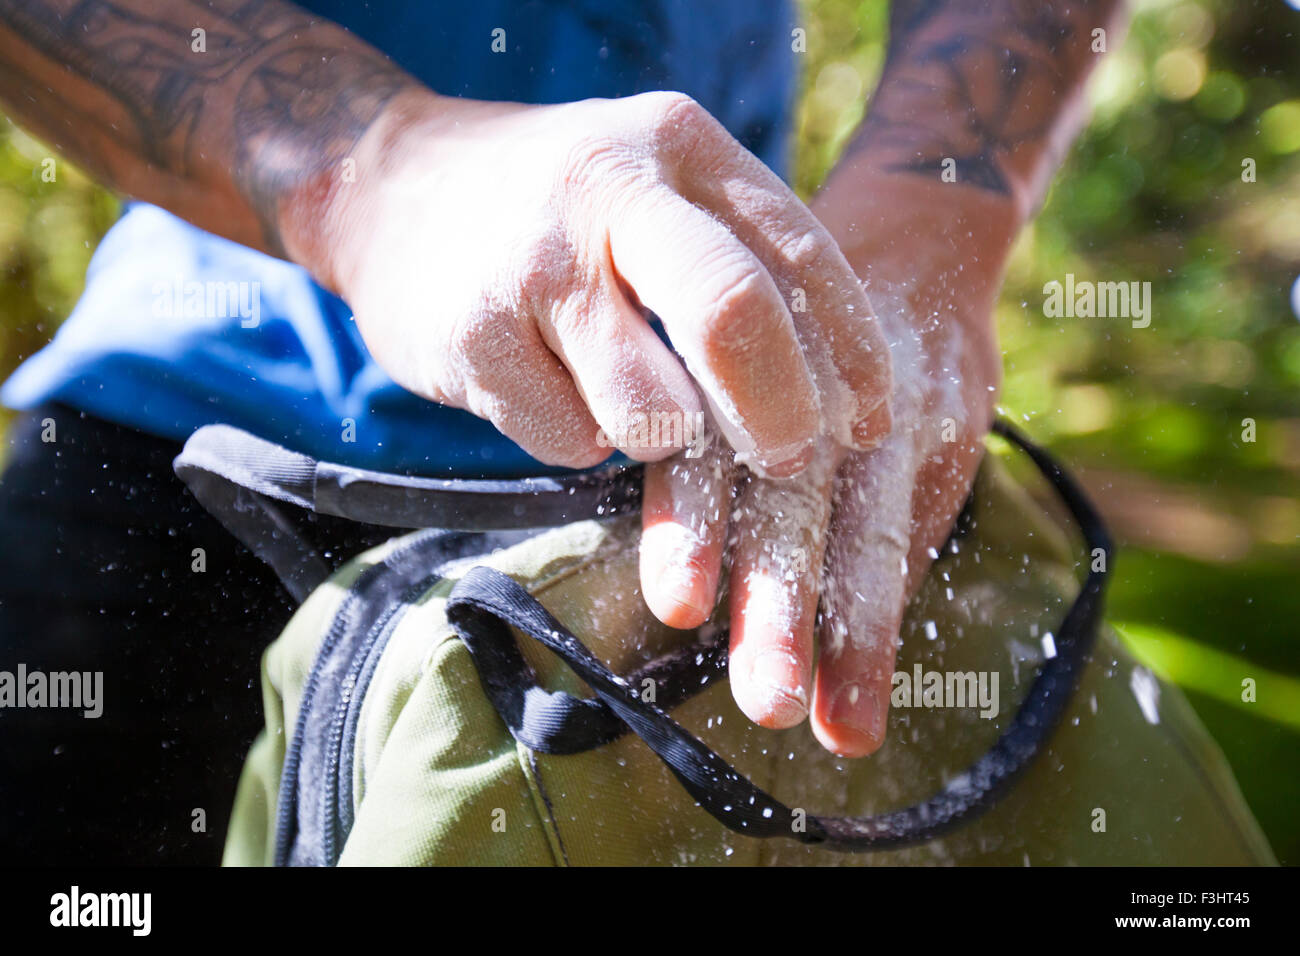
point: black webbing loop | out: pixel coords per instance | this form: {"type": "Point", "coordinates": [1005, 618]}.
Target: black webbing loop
{"type": "Point", "coordinates": [486, 603]}
{"type": "Point", "coordinates": [246, 481]}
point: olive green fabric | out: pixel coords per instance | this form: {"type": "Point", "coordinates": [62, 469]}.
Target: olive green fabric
{"type": "Point", "coordinates": [1130, 777]}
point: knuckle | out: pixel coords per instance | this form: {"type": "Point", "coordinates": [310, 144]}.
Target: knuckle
{"type": "Point", "coordinates": [466, 339]}
{"type": "Point", "coordinates": [541, 269]}
{"type": "Point", "coordinates": [669, 108]}
{"type": "Point", "coordinates": [599, 175]}
{"type": "Point", "coordinates": [677, 120]}
{"type": "Point", "coordinates": [734, 324]}
{"type": "Point", "coordinates": [808, 249]}
{"type": "Point", "coordinates": [484, 345]}
{"type": "Point", "coordinates": [593, 159]}
{"type": "Point", "coordinates": [575, 322]}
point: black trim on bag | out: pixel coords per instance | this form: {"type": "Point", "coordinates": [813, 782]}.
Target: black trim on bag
{"type": "Point", "coordinates": [245, 482]}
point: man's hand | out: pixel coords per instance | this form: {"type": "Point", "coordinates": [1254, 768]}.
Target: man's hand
{"type": "Point", "coordinates": [502, 258]}
{"type": "Point", "coordinates": [986, 91]}
{"type": "Point", "coordinates": [856, 529]}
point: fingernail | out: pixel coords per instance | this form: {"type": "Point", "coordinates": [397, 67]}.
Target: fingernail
{"type": "Point", "coordinates": [793, 465]}
{"type": "Point", "coordinates": [860, 712]}
{"type": "Point", "coordinates": [684, 587]}
{"type": "Point", "coordinates": [676, 588]}
{"type": "Point", "coordinates": [780, 678]}
{"type": "Point", "coordinates": [872, 428]}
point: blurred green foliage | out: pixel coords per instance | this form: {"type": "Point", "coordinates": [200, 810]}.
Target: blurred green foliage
{"type": "Point", "coordinates": [48, 230]}
{"type": "Point", "coordinates": [1206, 584]}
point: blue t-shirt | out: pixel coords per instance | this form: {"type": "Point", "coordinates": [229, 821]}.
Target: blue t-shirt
{"type": "Point", "coordinates": [178, 328]}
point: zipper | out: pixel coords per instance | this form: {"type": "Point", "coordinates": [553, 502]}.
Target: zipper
{"type": "Point", "coordinates": [384, 590]}
{"type": "Point", "coordinates": [336, 794]}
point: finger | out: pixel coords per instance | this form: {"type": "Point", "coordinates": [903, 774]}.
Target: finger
{"type": "Point", "coordinates": [727, 320]}
{"type": "Point", "coordinates": [685, 507]}
{"type": "Point", "coordinates": [634, 386]}
{"type": "Point", "coordinates": [895, 506]}
{"type": "Point", "coordinates": [845, 347]}
{"type": "Point", "coordinates": [504, 372]}
{"type": "Point", "coordinates": [864, 592]}
{"type": "Point", "coordinates": [780, 535]}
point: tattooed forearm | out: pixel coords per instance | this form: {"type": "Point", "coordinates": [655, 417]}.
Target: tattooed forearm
{"type": "Point", "coordinates": [294, 119]}
{"type": "Point", "coordinates": [981, 88]}
{"type": "Point", "coordinates": [267, 97]}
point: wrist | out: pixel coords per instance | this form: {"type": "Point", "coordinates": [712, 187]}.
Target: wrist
{"type": "Point", "coordinates": [928, 251]}
{"type": "Point", "coordinates": [329, 211]}
{"type": "Point", "coordinates": [897, 226]}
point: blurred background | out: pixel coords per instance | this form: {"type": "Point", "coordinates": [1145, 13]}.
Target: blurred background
{"type": "Point", "coordinates": [1207, 585]}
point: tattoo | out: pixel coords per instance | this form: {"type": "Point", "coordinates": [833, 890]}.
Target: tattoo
{"type": "Point", "coordinates": [278, 96]}
{"type": "Point", "coordinates": [301, 111]}
{"type": "Point", "coordinates": [974, 81]}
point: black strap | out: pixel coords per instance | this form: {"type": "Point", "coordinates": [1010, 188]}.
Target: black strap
{"type": "Point", "coordinates": [246, 481]}
{"type": "Point", "coordinates": [485, 604]}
